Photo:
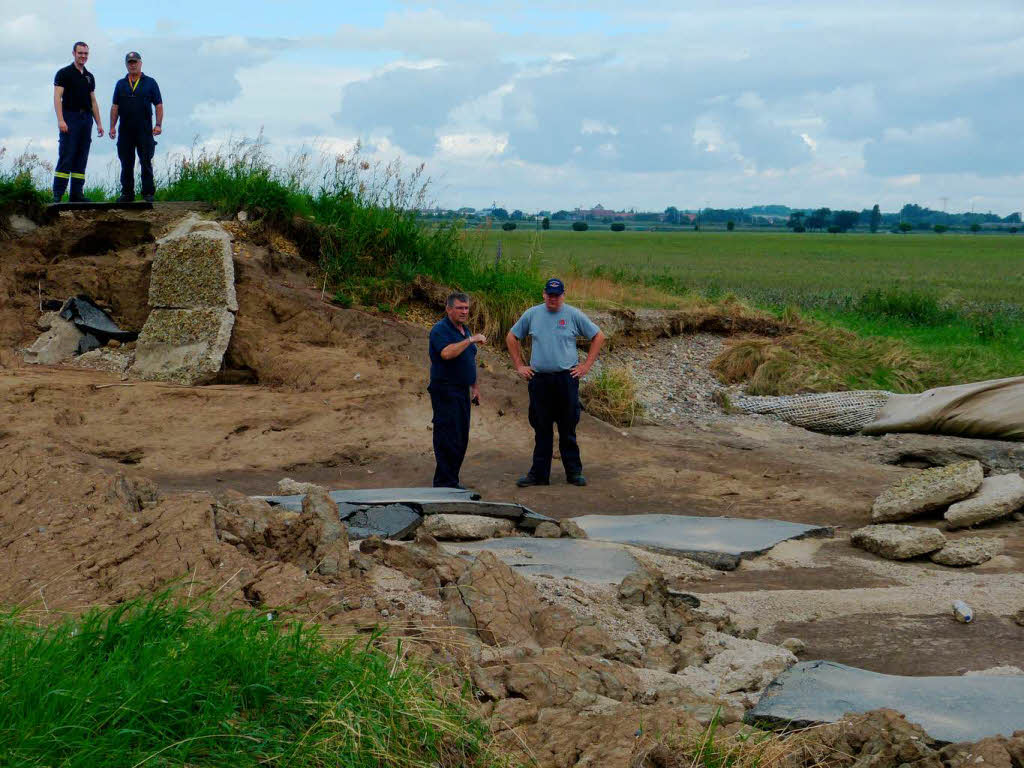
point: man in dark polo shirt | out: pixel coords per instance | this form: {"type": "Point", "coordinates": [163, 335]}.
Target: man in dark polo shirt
{"type": "Point", "coordinates": [135, 98]}
{"type": "Point", "coordinates": [74, 101]}
{"type": "Point", "coordinates": [452, 384]}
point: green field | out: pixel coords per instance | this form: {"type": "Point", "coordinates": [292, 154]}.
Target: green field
{"type": "Point", "coordinates": [780, 269]}
{"type": "Point", "coordinates": [949, 308]}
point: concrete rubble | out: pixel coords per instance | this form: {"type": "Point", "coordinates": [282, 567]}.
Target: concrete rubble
{"type": "Point", "coordinates": [898, 542]}
{"type": "Point", "coordinates": [926, 491]}
{"type": "Point", "coordinates": [967, 552]}
{"type": "Point", "coordinates": [998, 496]}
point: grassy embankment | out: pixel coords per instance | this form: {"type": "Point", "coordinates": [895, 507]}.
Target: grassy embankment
{"type": "Point", "coordinates": [863, 311]}
{"type": "Point", "coordinates": [158, 684]}
{"type": "Point", "coordinates": [923, 310]}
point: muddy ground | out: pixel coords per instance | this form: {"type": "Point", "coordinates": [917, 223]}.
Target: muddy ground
{"type": "Point", "coordinates": [105, 484]}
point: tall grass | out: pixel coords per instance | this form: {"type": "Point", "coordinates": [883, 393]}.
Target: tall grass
{"type": "Point", "coordinates": [158, 683]}
{"type": "Point", "coordinates": [358, 219]}
{"type": "Point", "coordinates": [18, 191]}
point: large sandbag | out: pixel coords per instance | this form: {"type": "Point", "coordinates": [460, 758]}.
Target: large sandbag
{"type": "Point", "coordinates": [990, 409]}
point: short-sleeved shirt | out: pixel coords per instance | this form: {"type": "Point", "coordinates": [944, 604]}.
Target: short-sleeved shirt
{"type": "Point", "coordinates": [135, 105]}
{"type": "Point", "coordinates": [460, 371]}
{"type": "Point", "coordinates": [553, 336]}
{"type": "Point", "coordinates": [78, 88]}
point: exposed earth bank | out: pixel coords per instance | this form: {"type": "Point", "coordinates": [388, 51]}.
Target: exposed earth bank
{"type": "Point", "coordinates": [109, 487]}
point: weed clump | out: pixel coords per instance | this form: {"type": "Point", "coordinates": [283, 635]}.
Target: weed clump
{"type": "Point", "coordinates": [611, 396]}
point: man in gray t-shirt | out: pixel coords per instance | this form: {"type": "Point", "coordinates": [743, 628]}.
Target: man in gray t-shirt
{"type": "Point", "coordinates": [554, 375]}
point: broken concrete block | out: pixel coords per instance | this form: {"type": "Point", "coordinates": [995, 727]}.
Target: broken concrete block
{"type": "Point", "coordinates": [965, 552]}
{"type": "Point", "coordinates": [390, 521]}
{"type": "Point", "coordinates": [194, 271]}
{"type": "Point", "coordinates": [183, 345]}
{"type": "Point", "coordinates": [898, 542]}
{"type": "Point", "coordinates": [998, 496]}
{"type": "Point", "coordinates": [57, 344]}
{"type": "Point", "coordinates": [466, 527]}
{"type": "Point", "coordinates": [927, 491]}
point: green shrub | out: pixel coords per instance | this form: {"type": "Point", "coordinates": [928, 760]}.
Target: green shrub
{"type": "Point", "coordinates": [162, 684]}
{"type": "Point", "coordinates": [508, 226]}
{"type": "Point", "coordinates": [18, 192]}
{"type": "Point", "coordinates": [580, 226]}
{"type": "Point", "coordinates": [617, 226]}
{"type": "Point", "coordinates": [545, 223]}
{"type": "Point", "coordinates": [940, 228]}
{"type": "Point", "coordinates": [730, 225]}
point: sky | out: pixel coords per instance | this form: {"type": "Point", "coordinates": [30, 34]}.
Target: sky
{"type": "Point", "coordinates": [568, 103]}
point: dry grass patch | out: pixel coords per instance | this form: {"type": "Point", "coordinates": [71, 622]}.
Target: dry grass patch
{"type": "Point", "coordinates": [819, 358]}
{"type": "Point", "coordinates": [611, 396]}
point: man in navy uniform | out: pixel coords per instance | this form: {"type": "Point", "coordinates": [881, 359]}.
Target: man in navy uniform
{"type": "Point", "coordinates": [554, 375]}
{"type": "Point", "coordinates": [452, 384]}
{"type": "Point", "coordinates": [135, 98]}
{"type": "Point", "coordinates": [74, 101]}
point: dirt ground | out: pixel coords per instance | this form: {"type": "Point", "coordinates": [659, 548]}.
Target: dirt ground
{"type": "Point", "coordinates": [104, 483]}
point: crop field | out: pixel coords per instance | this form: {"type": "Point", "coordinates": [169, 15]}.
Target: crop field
{"type": "Point", "coordinates": [810, 271]}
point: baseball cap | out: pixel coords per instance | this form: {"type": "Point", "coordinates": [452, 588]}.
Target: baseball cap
{"type": "Point", "coordinates": [554, 287]}
{"type": "Point", "coordinates": [132, 56]}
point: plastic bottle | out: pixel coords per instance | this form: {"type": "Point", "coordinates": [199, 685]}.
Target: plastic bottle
{"type": "Point", "coordinates": [962, 612]}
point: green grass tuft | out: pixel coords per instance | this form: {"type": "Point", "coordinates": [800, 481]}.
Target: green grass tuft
{"type": "Point", "coordinates": [158, 683]}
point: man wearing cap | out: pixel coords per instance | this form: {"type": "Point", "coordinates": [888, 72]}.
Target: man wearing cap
{"type": "Point", "coordinates": [135, 98]}
{"type": "Point", "coordinates": [452, 384]}
{"type": "Point", "coordinates": [74, 101]}
{"type": "Point", "coordinates": [554, 375]}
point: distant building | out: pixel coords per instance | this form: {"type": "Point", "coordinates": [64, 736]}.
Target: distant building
{"type": "Point", "coordinates": [600, 212]}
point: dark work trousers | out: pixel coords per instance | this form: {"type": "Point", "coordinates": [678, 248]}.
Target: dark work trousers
{"type": "Point", "coordinates": [451, 431]}
{"type": "Point", "coordinates": [555, 399]}
{"type": "Point", "coordinates": [131, 141]}
{"type": "Point", "coordinates": [72, 155]}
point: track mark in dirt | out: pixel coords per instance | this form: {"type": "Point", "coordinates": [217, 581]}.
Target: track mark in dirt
{"type": "Point", "coordinates": [122, 456]}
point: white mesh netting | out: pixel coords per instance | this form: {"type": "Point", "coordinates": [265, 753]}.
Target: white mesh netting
{"type": "Point", "coordinates": [837, 413]}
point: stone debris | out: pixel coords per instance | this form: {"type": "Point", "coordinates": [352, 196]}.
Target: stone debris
{"type": "Point", "coordinates": [572, 529]}
{"type": "Point", "coordinates": [966, 552]}
{"type": "Point", "coordinates": [898, 542]}
{"type": "Point", "coordinates": [466, 527]}
{"type": "Point", "coordinates": [58, 343]}
{"type": "Point", "coordinates": [949, 709]}
{"type": "Point", "coordinates": [720, 542]}
{"type": "Point", "coordinates": [998, 496]}
{"type": "Point", "coordinates": [736, 665]}
{"type": "Point", "coordinates": [1001, 671]}
{"type": "Point", "coordinates": [926, 491]}
{"type": "Point", "coordinates": [547, 531]}
{"type": "Point", "coordinates": [192, 292]}
{"type": "Point", "coordinates": [794, 645]}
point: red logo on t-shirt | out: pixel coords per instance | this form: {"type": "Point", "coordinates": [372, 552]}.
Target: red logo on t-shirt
{"type": "Point", "coordinates": [561, 322]}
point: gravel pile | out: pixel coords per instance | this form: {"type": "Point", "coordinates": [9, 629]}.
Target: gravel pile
{"type": "Point", "coordinates": [673, 376]}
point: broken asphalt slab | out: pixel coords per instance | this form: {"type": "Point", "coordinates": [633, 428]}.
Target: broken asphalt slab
{"type": "Point", "coordinates": [950, 709]}
{"type": "Point", "coordinates": [596, 562]}
{"type": "Point", "coordinates": [389, 521]}
{"type": "Point", "coordinates": [720, 542]}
